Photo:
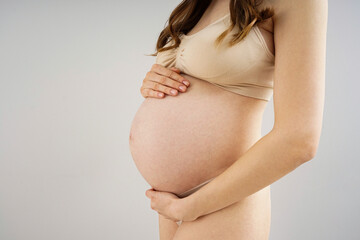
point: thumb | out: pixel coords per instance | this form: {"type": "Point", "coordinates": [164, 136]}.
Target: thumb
{"type": "Point", "coordinates": [150, 193]}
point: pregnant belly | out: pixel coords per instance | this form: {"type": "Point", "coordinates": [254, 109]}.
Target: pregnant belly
{"type": "Point", "coordinates": [181, 141]}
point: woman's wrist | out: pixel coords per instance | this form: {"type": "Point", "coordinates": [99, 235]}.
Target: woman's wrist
{"type": "Point", "coordinates": [189, 208]}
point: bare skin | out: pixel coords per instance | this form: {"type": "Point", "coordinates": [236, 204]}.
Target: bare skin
{"type": "Point", "coordinates": [244, 213]}
{"type": "Point", "coordinates": [249, 112]}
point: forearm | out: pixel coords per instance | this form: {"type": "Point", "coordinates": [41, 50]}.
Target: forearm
{"type": "Point", "coordinates": [269, 159]}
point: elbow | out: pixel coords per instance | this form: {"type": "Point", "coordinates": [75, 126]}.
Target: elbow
{"type": "Point", "coordinates": [303, 146]}
{"type": "Point", "coordinates": [310, 151]}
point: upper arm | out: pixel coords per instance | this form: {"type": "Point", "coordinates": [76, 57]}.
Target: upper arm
{"type": "Point", "coordinates": [300, 28]}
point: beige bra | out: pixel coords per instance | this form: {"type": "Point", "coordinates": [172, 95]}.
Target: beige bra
{"type": "Point", "coordinates": [246, 68]}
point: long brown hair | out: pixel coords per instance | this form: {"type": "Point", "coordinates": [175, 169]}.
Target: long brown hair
{"type": "Point", "coordinates": [243, 14]}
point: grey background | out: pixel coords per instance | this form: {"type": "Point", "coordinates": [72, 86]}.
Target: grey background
{"type": "Point", "coordinates": [70, 73]}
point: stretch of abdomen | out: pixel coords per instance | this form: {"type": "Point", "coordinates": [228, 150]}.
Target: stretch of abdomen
{"type": "Point", "coordinates": [179, 142]}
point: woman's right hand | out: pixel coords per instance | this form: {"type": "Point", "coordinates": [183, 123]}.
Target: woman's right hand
{"type": "Point", "coordinates": [161, 80]}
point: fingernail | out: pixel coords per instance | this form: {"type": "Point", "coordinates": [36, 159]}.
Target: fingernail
{"type": "Point", "coordinates": [173, 91]}
{"type": "Point", "coordinates": [182, 88]}
{"type": "Point", "coordinates": [186, 83]}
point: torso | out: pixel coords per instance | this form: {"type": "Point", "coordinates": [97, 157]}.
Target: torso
{"type": "Point", "coordinates": [179, 142]}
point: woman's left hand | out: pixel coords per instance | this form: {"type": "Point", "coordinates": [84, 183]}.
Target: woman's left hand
{"type": "Point", "coordinates": [170, 206]}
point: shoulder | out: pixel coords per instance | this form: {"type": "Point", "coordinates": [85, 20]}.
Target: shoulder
{"type": "Point", "coordinates": [284, 6]}
{"type": "Point", "coordinates": [284, 9]}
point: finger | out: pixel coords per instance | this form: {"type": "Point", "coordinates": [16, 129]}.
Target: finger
{"type": "Point", "coordinates": [147, 193]}
{"type": "Point", "coordinates": [153, 206]}
{"type": "Point", "coordinates": [157, 68]}
{"type": "Point", "coordinates": [162, 84]}
{"type": "Point", "coordinates": [170, 218]}
{"type": "Point", "coordinates": [148, 92]}
{"type": "Point", "coordinates": [153, 80]}
{"type": "Point", "coordinates": [167, 82]}
{"type": "Point", "coordinates": [150, 192]}
{"type": "Point", "coordinates": [175, 69]}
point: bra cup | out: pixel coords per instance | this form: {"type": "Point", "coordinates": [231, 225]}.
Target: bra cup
{"type": "Point", "coordinates": [244, 68]}
{"type": "Point", "coordinates": [203, 60]}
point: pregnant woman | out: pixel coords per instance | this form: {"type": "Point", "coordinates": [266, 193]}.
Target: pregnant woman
{"type": "Point", "coordinates": [196, 138]}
